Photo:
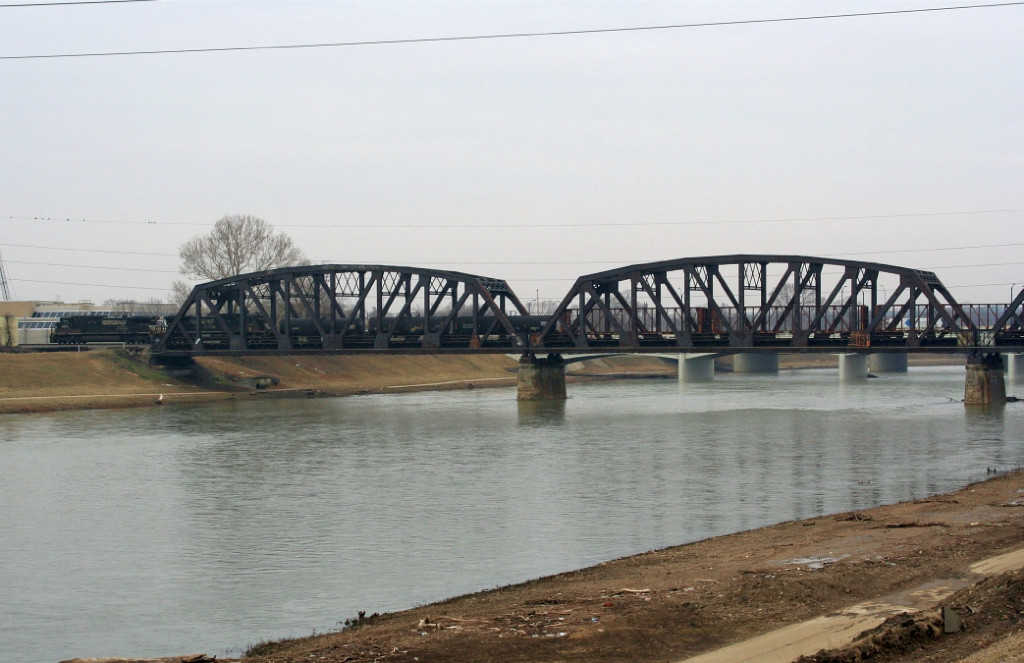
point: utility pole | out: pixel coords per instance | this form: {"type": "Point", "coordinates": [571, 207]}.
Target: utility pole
{"type": "Point", "coordinates": [5, 291]}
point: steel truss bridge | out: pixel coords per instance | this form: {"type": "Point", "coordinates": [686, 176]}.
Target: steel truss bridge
{"type": "Point", "coordinates": [735, 303]}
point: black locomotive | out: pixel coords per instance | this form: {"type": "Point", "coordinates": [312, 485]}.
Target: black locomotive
{"type": "Point", "coordinates": [80, 329]}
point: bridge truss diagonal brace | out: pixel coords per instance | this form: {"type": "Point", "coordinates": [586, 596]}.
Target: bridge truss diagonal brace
{"type": "Point", "coordinates": [1012, 318]}
{"type": "Point", "coordinates": [336, 307]}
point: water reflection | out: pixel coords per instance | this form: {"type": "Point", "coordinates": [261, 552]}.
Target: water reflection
{"type": "Point", "coordinates": [541, 413]}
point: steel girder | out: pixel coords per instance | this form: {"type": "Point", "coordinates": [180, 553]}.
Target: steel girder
{"type": "Point", "coordinates": [1008, 329]}
{"type": "Point", "coordinates": [337, 307]}
{"type": "Point", "coordinates": [758, 301]}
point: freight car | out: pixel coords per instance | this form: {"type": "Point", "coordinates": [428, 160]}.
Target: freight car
{"type": "Point", "coordinates": [310, 333]}
{"type": "Point", "coordinates": [410, 331]}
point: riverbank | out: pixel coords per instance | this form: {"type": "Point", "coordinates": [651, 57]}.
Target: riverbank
{"type": "Point", "coordinates": [672, 604]}
{"type": "Point", "coordinates": [108, 378]}
{"type": "Point", "coordinates": [681, 602]}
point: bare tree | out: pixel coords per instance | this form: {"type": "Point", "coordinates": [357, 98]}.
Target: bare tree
{"type": "Point", "coordinates": [236, 245]}
{"type": "Point", "coordinates": [180, 291]}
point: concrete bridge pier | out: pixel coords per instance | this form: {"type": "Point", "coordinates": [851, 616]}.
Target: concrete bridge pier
{"type": "Point", "coordinates": [756, 362]}
{"type": "Point", "coordinates": [696, 367]}
{"type": "Point", "coordinates": [985, 384]}
{"type": "Point", "coordinates": [887, 362]}
{"type": "Point", "coordinates": [541, 379]}
{"type": "Point", "coordinates": [852, 367]}
{"type": "Point", "coordinates": [1015, 367]}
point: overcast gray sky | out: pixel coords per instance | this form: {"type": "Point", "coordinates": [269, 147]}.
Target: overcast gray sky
{"type": "Point", "coordinates": [894, 138]}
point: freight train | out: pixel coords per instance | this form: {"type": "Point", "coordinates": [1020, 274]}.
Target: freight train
{"type": "Point", "coordinates": [302, 332]}
{"type": "Point", "coordinates": [404, 332]}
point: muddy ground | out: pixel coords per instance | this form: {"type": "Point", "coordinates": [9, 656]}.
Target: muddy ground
{"type": "Point", "coordinates": [670, 604]}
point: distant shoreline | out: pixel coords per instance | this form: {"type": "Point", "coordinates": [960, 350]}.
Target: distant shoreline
{"type": "Point", "coordinates": [111, 379]}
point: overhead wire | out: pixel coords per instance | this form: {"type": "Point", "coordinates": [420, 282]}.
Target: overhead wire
{"type": "Point", "coordinates": [510, 35]}
{"type": "Point", "coordinates": [532, 280]}
{"type": "Point", "coordinates": [81, 250]}
{"type": "Point", "coordinates": [501, 226]}
{"type": "Point", "coordinates": [547, 262]}
{"type": "Point", "coordinates": [518, 225]}
{"type": "Point", "coordinates": [59, 3]}
{"type": "Point", "coordinates": [93, 285]}
{"type": "Point", "coordinates": [107, 267]}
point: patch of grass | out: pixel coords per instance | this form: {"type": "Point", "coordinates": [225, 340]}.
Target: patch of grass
{"type": "Point", "coordinates": [136, 363]}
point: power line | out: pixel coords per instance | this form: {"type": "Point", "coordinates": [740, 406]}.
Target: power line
{"type": "Point", "coordinates": [107, 267]}
{"type": "Point", "coordinates": [989, 264]}
{"type": "Point", "coordinates": [9, 5]}
{"type": "Point", "coordinates": [93, 285]}
{"type": "Point", "coordinates": [536, 262]}
{"type": "Point", "coordinates": [510, 35]}
{"type": "Point", "coordinates": [525, 263]}
{"type": "Point", "coordinates": [518, 225]}
{"type": "Point", "coordinates": [61, 248]}
{"type": "Point", "coordinates": [563, 280]}
{"type": "Point", "coordinates": [951, 248]}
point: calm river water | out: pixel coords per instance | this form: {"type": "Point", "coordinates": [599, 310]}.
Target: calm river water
{"type": "Point", "coordinates": [166, 531]}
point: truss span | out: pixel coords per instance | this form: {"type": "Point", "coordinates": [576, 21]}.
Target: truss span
{"type": "Point", "coordinates": [776, 302]}
{"type": "Point", "coordinates": [723, 304]}
{"type": "Point", "coordinates": [348, 307]}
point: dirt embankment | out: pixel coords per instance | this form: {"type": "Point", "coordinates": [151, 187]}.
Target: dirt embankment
{"type": "Point", "coordinates": [41, 382]}
{"type": "Point", "coordinates": [106, 378]}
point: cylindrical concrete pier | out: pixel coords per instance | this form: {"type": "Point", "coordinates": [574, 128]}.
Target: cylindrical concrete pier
{"type": "Point", "coordinates": [887, 362]}
{"type": "Point", "coordinates": [985, 384]}
{"type": "Point", "coordinates": [696, 367]}
{"type": "Point", "coordinates": [541, 379]}
{"type": "Point", "coordinates": [755, 362]}
{"type": "Point", "coordinates": [1015, 367]}
{"type": "Point", "coordinates": [853, 367]}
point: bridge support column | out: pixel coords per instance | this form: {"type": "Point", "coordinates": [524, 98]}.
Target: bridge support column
{"type": "Point", "coordinates": [755, 362]}
{"type": "Point", "coordinates": [696, 367]}
{"type": "Point", "coordinates": [887, 362]}
{"type": "Point", "coordinates": [1015, 367]}
{"type": "Point", "coordinates": [541, 379]}
{"type": "Point", "coordinates": [852, 367]}
{"type": "Point", "coordinates": [985, 384]}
